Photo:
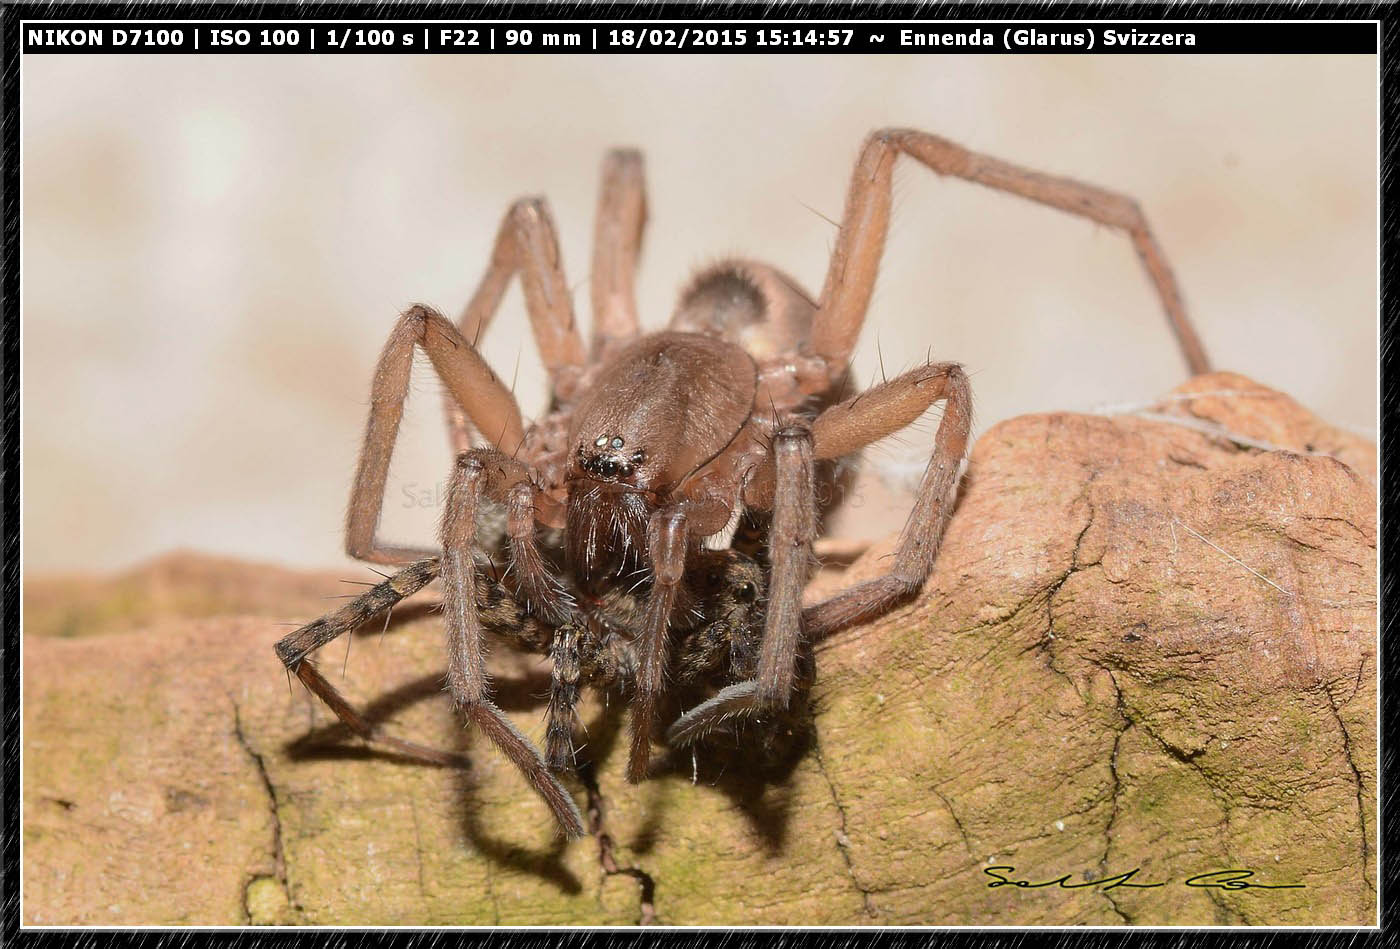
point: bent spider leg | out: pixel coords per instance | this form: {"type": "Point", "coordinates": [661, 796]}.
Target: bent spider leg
{"type": "Point", "coordinates": [793, 530]}
{"type": "Point", "coordinates": [527, 244]}
{"type": "Point", "coordinates": [297, 645]}
{"type": "Point", "coordinates": [499, 612]}
{"type": "Point", "coordinates": [617, 242]}
{"type": "Point", "coordinates": [849, 426]}
{"type": "Point", "coordinates": [468, 380]}
{"type": "Point", "coordinates": [295, 648]}
{"type": "Point", "coordinates": [730, 702]}
{"type": "Point", "coordinates": [477, 473]}
{"type": "Point", "coordinates": [311, 677]}
{"type": "Point", "coordinates": [850, 276]}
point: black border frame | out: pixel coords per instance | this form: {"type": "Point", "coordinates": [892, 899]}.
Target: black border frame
{"type": "Point", "coordinates": [1389, 722]}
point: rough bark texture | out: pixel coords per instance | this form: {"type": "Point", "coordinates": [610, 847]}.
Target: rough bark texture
{"type": "Point", "coordinates": [1143, 646]}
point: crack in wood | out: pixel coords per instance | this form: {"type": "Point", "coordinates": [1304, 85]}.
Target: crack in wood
{"type": "Point", "coordinates": [1356, 774]}
{"type": "Point", "coordinates": [843, 840]}
{"type": "Point", "coordinates": [607, 858]}
{"type": "Point", "coordinates": [279, 860]}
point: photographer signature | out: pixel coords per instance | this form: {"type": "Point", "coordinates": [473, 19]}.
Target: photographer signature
{"type": "Point", "coordinates": [1216, 879]}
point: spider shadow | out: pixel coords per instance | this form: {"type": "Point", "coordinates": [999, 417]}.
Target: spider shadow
{"type": "Point", "coordinates": [336, 742]}
{"type": "Point", "coordinates": [762, 793]}
{"type": "Point", "coordinates": [520, 693]}
{"type": "Point", "coordinates": [529, 693]}
{"type": "Point", "coordinates": [547, 864]}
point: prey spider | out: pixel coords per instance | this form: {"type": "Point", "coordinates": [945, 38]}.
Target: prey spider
{"type": "Point", "coordinates": [655, 442]}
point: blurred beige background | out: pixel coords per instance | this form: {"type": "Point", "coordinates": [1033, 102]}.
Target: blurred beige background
{"type": "Point", "coordinates": [215, 249]}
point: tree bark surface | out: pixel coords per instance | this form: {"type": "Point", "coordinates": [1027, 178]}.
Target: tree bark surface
{"type": "Point", "coordinates": [1149, 643]}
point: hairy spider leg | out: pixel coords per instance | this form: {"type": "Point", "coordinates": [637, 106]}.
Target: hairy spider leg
{"type": "Point", "coordinates": [488, 473]}
{"type": "Point", "coordinates": [842, 429]}
{"type": "Point", "coordinates": [669, 535]}
{"type": "Point", "coordinates": [566, 659]}
{"type": "Point", "coordinates": [500, 613]}
{"type": "Point", "coordinates": [294, 649]}
{"type": "Point", "coordinates": [527, 245]}
{"type": "Point", "coordinates": [617, 243]}
{"type": "Point", "coordinates": [468, 380]}
{"type": "Point", "coordinates": [850, 276]}
{"type": "Point", "coordinates": [668, 538]}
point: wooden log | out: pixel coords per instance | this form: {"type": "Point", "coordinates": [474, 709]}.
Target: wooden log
{"type": "Point", "coordinates": [1149, 644]}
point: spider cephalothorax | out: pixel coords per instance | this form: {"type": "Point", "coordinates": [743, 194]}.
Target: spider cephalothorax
{"type": "Point", "coordinates": [656, 443]}
{"type": "Point", "coordinates": [663, 406]}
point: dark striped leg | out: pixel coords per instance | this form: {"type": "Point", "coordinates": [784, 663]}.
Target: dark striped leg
{"type": "Point", "coordinates": [295, 648]}
{"type": "Point", "coordinates": [563, 699]}
{"type": "Point", "coordinates": [500, 614]}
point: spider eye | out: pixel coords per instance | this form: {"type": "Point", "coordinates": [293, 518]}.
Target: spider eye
{"type": "Point", "coordinates": [747, 592]}
{"type": "Point", "coordinates": [607, 467]}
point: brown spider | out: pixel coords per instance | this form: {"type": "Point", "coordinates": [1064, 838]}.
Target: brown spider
{"type": "Point", "coordinates": [654, 442]}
